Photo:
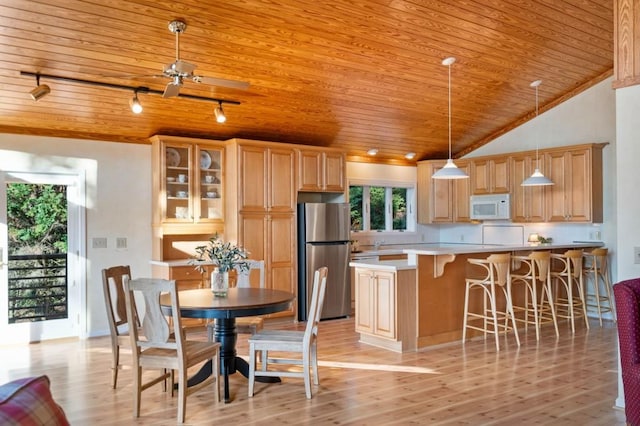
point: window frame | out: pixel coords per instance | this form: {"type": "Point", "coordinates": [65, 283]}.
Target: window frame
{"type": "Point", "coordinates": [411, 200]}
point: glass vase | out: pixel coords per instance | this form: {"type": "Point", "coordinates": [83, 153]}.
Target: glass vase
{"type": "Point", "coordinates": [219, 283]}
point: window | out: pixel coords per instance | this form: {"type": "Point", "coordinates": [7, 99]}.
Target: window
{"type": "Point", "coordinates": [381, 208]}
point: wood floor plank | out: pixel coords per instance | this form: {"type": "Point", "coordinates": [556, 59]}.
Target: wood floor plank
{"type": "Point", "coordinates": [570, 380]}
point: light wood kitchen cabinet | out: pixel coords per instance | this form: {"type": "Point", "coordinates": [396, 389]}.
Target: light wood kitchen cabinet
{"type": "Point", "coordinates": [442, 200]}
{"type": "Point", "coordinates": [385, 307]}
{"type": "Point", "coordinates": [261, 218]}
{"type": "Point", "coordinates": [188, 185]}
{"type": "Point", "coordinates": [321, 170]}
{"type": "Point", "coordinates": [490, 176]}
{"type": "Point", "coordinates": [527, 202]}
{"type": "Point", "coordinates": [576, 195]}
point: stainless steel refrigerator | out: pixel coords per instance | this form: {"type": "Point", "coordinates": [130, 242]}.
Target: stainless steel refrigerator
{"type": "Point", "coordinates": [323, 240]}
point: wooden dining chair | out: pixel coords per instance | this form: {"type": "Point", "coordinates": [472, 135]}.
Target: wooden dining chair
{"type": "Point", "coordinates": [159, 346]}
{"type": "Point", "coordinates": [113, 288]}
{"type": "Point", "coordinates": [292, 341]}
{"type": "Point", "coordinates": [245, 325]}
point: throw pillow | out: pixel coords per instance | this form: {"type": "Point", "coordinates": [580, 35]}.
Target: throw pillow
{"type": "Point", "coordinates": [28, 402]}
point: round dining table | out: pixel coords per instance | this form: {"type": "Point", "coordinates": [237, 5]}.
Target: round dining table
{"type": "Point", "coordinates": [239, 302]}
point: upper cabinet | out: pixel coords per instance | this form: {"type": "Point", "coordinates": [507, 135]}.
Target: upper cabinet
{"type": "Point", "coordinates": [321, 170]}
{"type": "Point", "coordinates": [442, 200]}
{"type": "Point", "coordinates": [188, 191]}
{"type": "Point", "coordinates": [576, 195]}
{"type": "Point", "coordinates": [527, 202]}
{"type": "Point", "coordinates": [490, 175]}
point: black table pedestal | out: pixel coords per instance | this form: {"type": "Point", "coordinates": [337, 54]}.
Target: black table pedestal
{"type": "Point", "coordinates": [225, 332]}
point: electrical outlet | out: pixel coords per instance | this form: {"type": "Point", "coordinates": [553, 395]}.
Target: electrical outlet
{"type": "Point", "coordinates": [461, 238]}
{"type": "Point", "coordinates": [99, 242]}
{"type": "Point", "coordinates": [636, 255]}
{"type": "Point", "coordinates": [121, 243]}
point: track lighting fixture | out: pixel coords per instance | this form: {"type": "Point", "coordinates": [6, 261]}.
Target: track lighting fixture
{"type": "Point", "coordinates": [537, 178]}
{"type": "Point", "coordinates": [136, 107]}
{"type": "Point", "coordinates": [40, 91]}
{"type": "Point", "coordinates": [219, 113]}
{"type": "Point", "coordinates": [43, 90]}
{"type": "Point", "coordinates": [450, 170]}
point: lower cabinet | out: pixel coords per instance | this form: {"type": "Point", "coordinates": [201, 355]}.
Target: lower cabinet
{"type": "Point", "coordinates": [386, 307]}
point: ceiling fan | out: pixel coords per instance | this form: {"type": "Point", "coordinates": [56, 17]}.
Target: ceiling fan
{"type": "Point", "coordinates": [180, 70]}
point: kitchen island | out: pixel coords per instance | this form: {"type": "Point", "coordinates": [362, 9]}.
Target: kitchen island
{"type": "Point", "coordinates": [438, 289]}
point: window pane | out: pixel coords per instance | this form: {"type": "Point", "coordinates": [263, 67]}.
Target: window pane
{"type": "Point", "coordinates": [355, 199]}
{"type": "Point", "coordinates": [376, 202]}
{"type": "Point", "coordinates": [399, 203]}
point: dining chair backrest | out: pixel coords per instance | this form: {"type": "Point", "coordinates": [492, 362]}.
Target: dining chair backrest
{"type": "Point", "coordinates": [244, 276]}
{"type": "Point", "coordinates": [113, 288]}
{"type": "Point", "coordinates": [317, 301]}
{"type": "Point", "coordinates": [156, 331]}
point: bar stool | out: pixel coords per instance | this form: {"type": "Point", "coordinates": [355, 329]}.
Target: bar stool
{"type": "Point", "coordinates": [536, 269]}
{"type": "Point", "coordinates": [596, 269]}
{"type": "Point", "coordinates": [496, 273]}
{"type": "Point", "coordinates": [570, 276]}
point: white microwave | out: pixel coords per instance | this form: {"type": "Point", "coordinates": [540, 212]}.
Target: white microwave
{"type": "Point", "coordinates": [490, 207]}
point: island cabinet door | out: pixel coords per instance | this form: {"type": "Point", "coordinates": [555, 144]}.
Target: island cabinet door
{"type": "Point", "coordinates": [385, 304]}
{"type": "Point", "coordinates": [364, 300]}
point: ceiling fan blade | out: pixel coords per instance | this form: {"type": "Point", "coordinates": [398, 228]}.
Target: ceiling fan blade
{"type": "Point", "coordinates": [171, 90]}
{"type": "Point", "coordinates": [222, 82]}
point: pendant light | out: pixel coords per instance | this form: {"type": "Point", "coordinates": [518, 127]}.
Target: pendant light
{"type": "Point", "coordinates": [537, 178]}
{"type": "Point", "coordinates": [450, 170]}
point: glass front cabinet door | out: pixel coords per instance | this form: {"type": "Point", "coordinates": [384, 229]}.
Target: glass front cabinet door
{"type": "Point", "coordinates": [188, 181]}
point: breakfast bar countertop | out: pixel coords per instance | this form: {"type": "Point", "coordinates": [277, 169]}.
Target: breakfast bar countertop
{"type": "Point", "coordinates": [447, 248]}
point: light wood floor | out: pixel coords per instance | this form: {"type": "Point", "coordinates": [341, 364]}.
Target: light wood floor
{"type": "Point", "coordinates": [572, 381]}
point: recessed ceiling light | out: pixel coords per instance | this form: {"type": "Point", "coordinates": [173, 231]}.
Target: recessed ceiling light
{"type": "Point", "coordinates": [410, 155]}
{"type": "Point", "coordinates": [372, 151]}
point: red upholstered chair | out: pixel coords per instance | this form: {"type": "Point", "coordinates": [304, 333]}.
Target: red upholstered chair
{"type": "Point", "coordinates": [627, 297]}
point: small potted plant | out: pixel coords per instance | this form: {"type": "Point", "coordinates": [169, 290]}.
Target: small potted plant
{"type": "Point", "coordinates": [226, 256]}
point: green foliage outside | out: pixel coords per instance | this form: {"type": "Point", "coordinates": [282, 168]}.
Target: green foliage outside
{"type": "Point", "coordinates": [377, 207]}
{"type": "Point", "coordinates": [37, 228]}
{"type": "Point", "coordinates": [37, 218]}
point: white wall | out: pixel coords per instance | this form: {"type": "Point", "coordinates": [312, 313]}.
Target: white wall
{"type": "Point", "coordinates": [118, 201]}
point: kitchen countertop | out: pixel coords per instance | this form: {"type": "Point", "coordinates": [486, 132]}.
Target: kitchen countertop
{"type": "Point", "coordinates": [180, 262]}
{"type": "Point", "coordinates": [438, 249]}
{"type": "Point", "coordinates": [385, 265]}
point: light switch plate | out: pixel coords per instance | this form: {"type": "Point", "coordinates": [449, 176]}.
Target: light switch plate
{"type": "Point", "coordinates": [99, 242]}
{"type": "Point", "coordinates": [636, 255]}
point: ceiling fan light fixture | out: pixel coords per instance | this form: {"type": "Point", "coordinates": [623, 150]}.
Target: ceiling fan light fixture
{"type": "Point", "coordinates": [219, 113]}
{"type": "Point", "coordinates": [40, 91]}
{"type": "Point", "coordinates": [450, 170]}
{"type": "Point", "coordinates": [537, 178]}
{"type": "Point", "coordinates": [134, 103]}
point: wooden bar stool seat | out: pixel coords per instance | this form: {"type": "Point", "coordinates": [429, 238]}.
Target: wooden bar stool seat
{"type": "Point", "coordinates": [596, 272]}
{"type": "Point", "coordinates": [493, 272]}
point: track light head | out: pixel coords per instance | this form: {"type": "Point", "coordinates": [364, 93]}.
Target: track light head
{"type": "Point", "coordinates": [134, 103]}
{"type": "Point", "coordinates": [219, 113]}
{"type": "Point", "coordinates": [40, 91]}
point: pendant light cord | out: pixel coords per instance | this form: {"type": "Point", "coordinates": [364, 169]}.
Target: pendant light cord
{"type": "Point", "coordinates": [449, 110]}
{"type": "Point", "coordinates": [537, 139]}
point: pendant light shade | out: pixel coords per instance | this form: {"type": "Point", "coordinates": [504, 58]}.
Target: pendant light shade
{"type": "Point", "coordinates": [450, 170]}
{"type": "Point", "coordinates": [537, 178]}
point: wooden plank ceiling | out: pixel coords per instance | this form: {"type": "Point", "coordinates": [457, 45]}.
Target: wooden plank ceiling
{"type": "Point", "coordinates": [356, 74]}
